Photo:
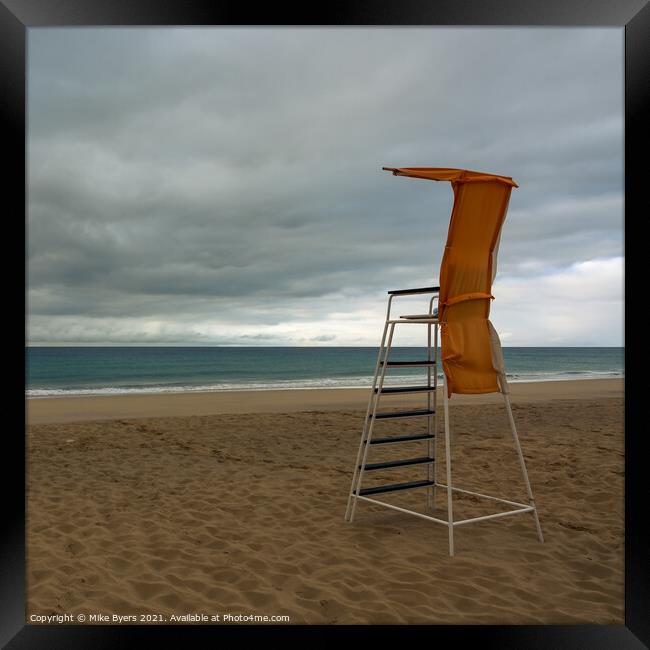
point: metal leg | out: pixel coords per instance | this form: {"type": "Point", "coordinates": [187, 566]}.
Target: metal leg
{"type": "Point", "coordinates": [450, 512]}
{"type": "Point", "coordinates": [434, 446]}
{"type": "Point", "coordinates": [357, 487]}
{"type": "Point", "coordinates": [522, 462]}
{"type": "Point", "coordinates": [430, 469]}
{"type": "Point", "coordinates": [371, 402]}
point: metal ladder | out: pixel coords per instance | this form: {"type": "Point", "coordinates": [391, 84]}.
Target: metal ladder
{"type": "Point", "coordinates": [373, 415]}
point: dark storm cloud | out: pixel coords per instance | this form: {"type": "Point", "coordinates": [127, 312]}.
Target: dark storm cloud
{"type": "Point", "coordinates": [193, 175]}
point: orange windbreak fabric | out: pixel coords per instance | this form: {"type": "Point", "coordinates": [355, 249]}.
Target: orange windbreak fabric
{"type": "Point", "coordinates": [448, 174]}
{"type": "Point", "coordinates": [471, 351]}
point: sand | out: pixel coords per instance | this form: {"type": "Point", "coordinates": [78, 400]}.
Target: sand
{"type": "Point", "coordinates": [71, 409]}
{"type": "Point", "coordinates": [189, 504]}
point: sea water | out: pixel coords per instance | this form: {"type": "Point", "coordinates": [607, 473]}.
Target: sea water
{"type": "Point", "coordinates": [53, 371]}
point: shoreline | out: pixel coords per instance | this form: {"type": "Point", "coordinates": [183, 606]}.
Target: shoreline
{"type": "Point", "coordinates": [240, 389]}
{"type": "Point", "coordinates": [59, 409]}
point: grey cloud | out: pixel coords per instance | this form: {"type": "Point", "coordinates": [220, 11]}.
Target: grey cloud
{"type": "Point", "coordinates": [175, 171]}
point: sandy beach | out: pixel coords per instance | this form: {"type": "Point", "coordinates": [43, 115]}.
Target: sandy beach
{"type": "Point", "coordinates": [74, 409]}
{"type": "Point", "coordinates": [233, 503]}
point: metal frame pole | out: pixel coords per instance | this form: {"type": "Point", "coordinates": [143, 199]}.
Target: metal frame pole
{"type": "Point", "coordinates": [357, 488]}
{"type": "Point", "coordinates": [450, 512]}
{"type": "Point", "coordinates": [435, 417]}
{"type": "Point", "coordinates": [432, 420]}
{"type": "Point", "coordinates": [522, 462]}
{"type": "Point", "coordinates": [430, 469]}
{"type": "Point", "coordinates": [373, 397]}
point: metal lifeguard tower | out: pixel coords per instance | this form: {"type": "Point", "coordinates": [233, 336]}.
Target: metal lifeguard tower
{"type": "Point", "coordinates": [471, 355]}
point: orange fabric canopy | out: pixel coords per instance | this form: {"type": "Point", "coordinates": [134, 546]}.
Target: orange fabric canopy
{"type": "Point", "coordinates": [448, 174]}
{"type": "Point", "coordinates": [471, 352]}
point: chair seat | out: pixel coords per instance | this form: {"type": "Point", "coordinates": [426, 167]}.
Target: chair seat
{"type": "Point", "coordinates": [433, 316]}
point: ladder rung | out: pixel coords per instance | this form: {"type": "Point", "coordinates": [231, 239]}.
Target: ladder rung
{"type": "Point", "coordinates": [395, 487]}
{"type": "Point", "coordinates": [386, 441]}
{"type": "Point", "coordinates": [407, 364]}
{"type": "Point", "coordinates": [389, 464]}
{"type": "Point", "coordinates": [406, 389]}
{"type": "Point", "coordinates": [404, 414]}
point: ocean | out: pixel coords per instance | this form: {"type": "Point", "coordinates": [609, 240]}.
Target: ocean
{"type": "Point", "coordinates": [58, 371]}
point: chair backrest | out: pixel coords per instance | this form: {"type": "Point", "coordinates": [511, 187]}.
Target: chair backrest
{"type": "Point", "coordinates": [471, 352]}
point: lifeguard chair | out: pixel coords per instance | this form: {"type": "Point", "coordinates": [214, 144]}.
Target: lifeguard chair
{"type": "Point", "coordinates": [471, 355]}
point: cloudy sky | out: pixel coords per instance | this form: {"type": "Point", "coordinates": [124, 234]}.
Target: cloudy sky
{"type": "Point", "coordinates": [222, 186]}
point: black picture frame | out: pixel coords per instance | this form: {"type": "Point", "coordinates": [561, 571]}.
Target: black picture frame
{"type": "Point", "coordinates": [16, 16]}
